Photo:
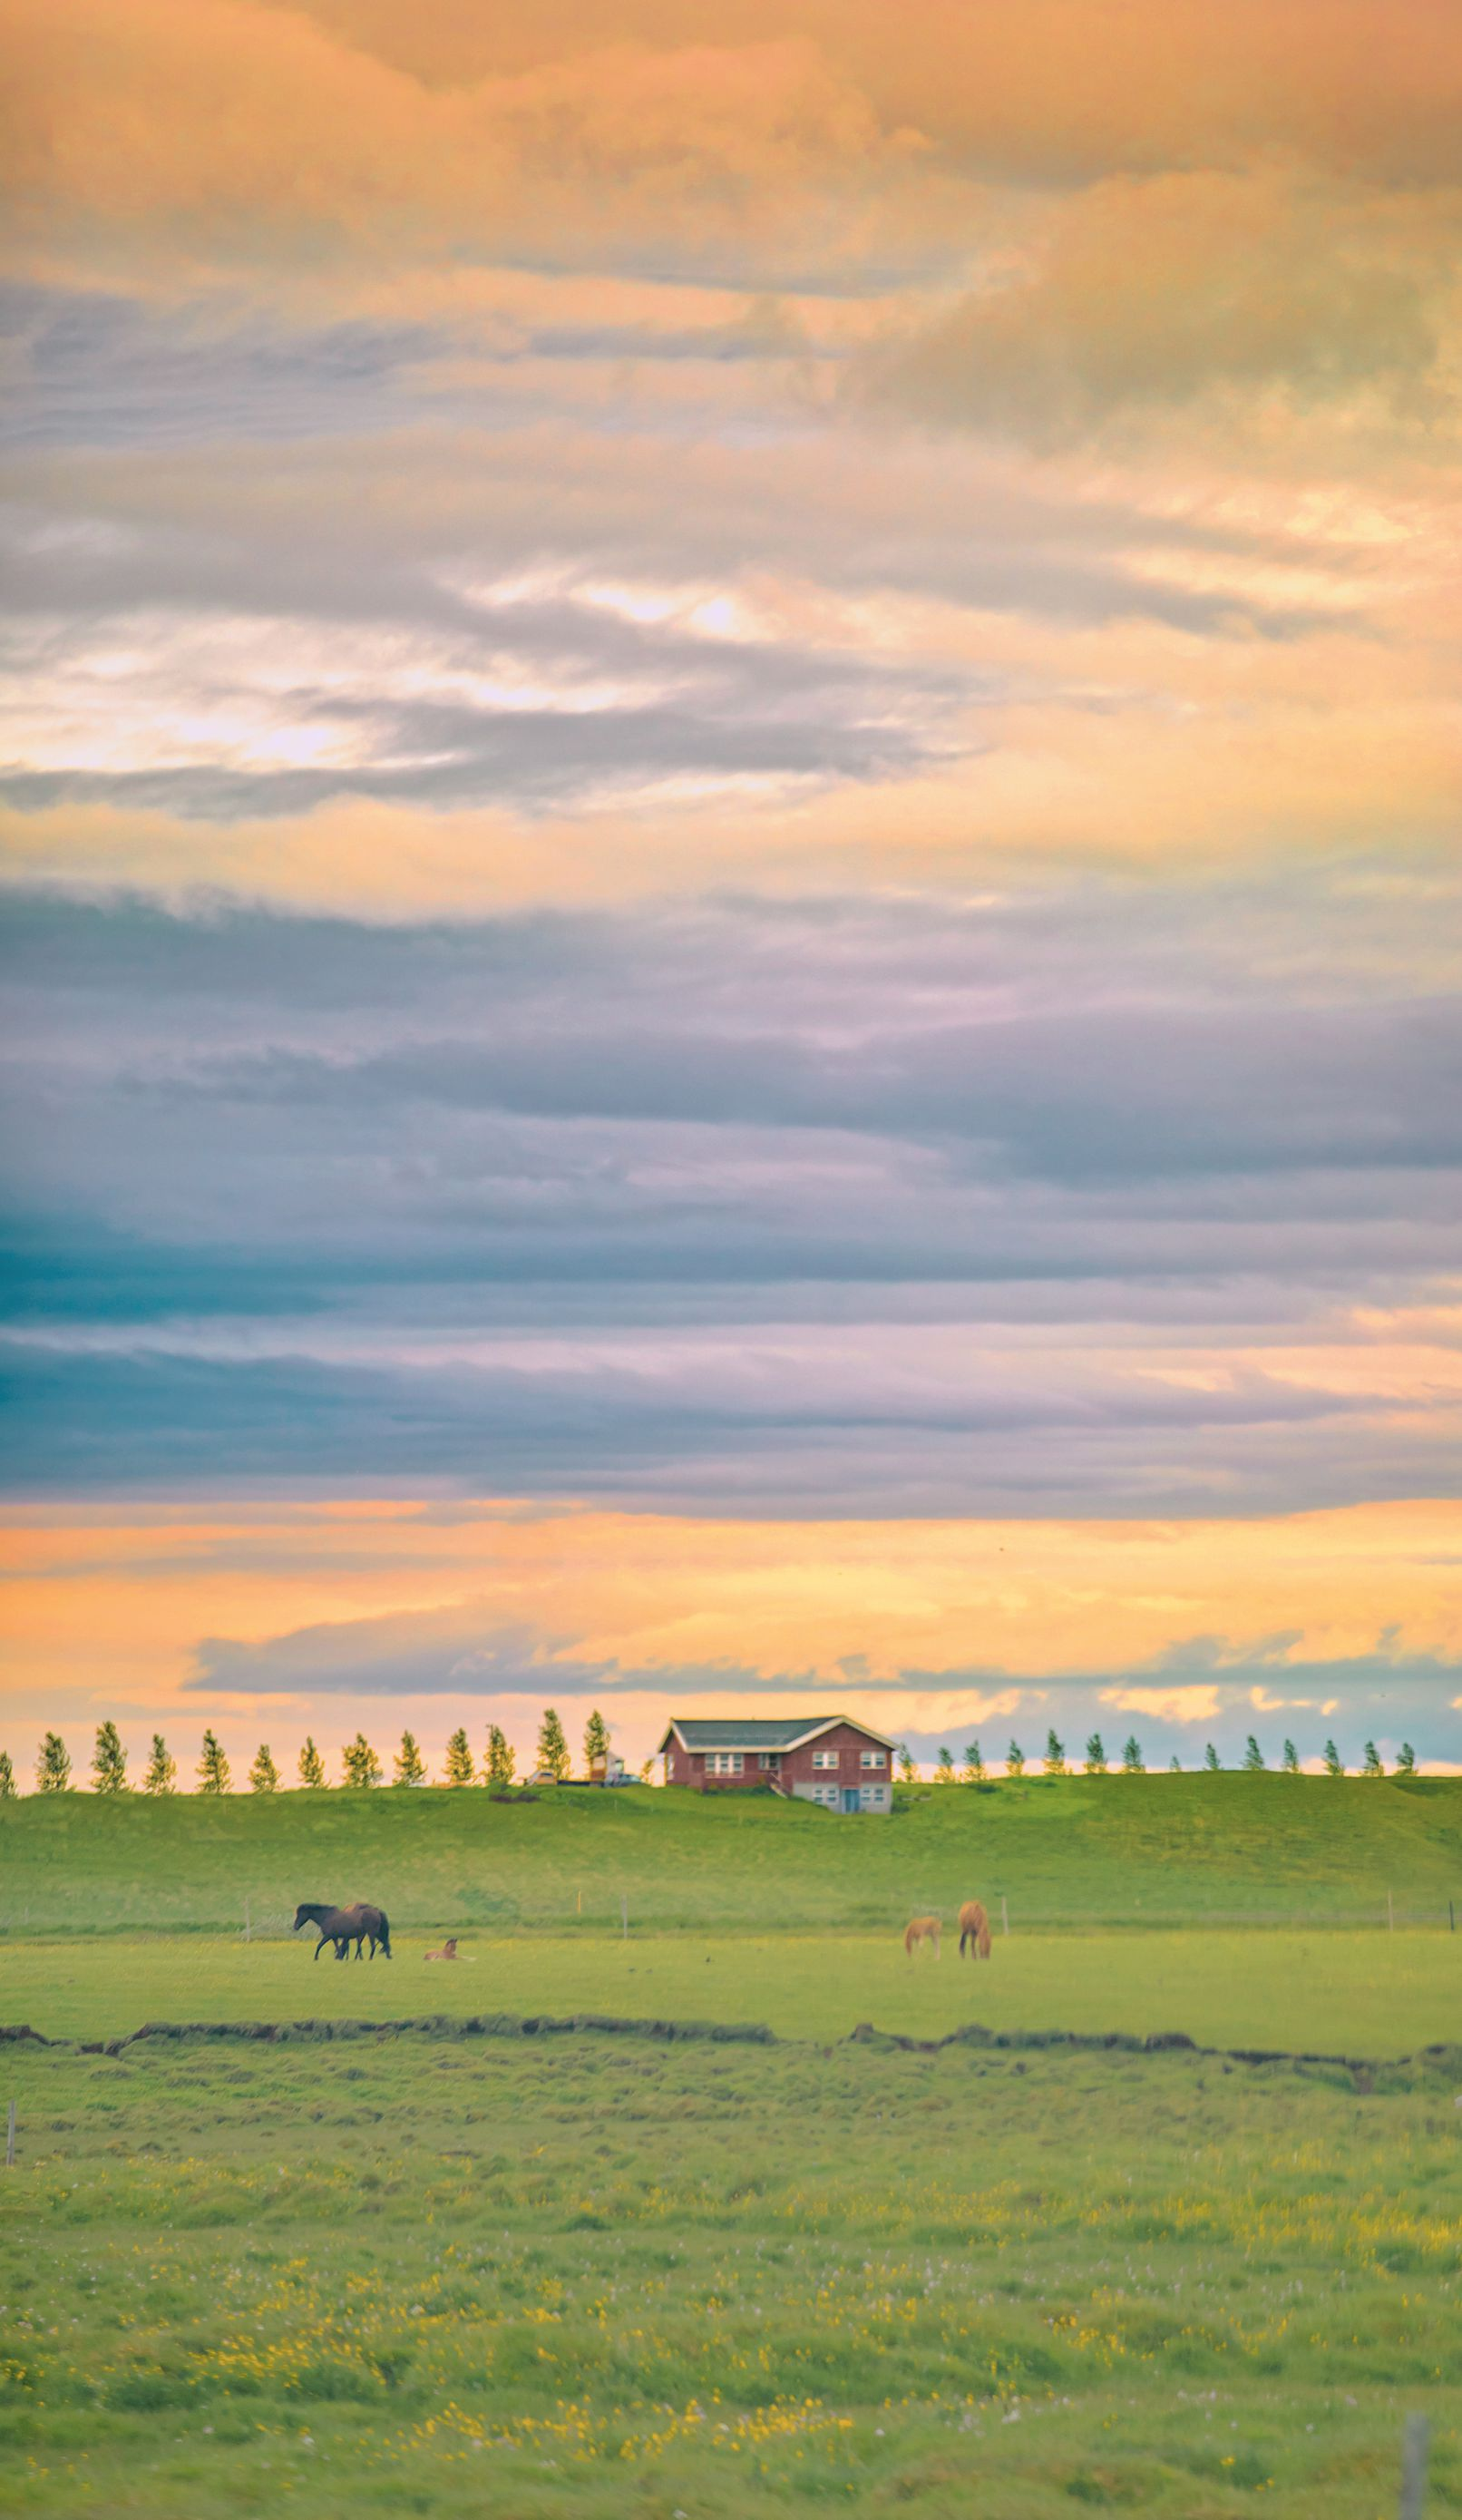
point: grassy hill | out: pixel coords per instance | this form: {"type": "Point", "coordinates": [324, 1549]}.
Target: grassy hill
{"type": "Point", "coordinates": [1129, 1850]}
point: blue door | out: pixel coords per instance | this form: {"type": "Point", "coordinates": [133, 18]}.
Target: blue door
{"type": "Point", "coordinates": [850, 1798]}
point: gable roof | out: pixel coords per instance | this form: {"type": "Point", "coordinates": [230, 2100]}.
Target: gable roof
{"type": "Point", "coordinates": [760, 1732]}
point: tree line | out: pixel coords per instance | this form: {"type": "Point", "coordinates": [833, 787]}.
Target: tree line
{"type": "Point", "coordinates": [361, 1765]}
{"type": "Point", "coordinates": [1133, 1763]}
{"type": "Point", "coordinates": [363, 1770]}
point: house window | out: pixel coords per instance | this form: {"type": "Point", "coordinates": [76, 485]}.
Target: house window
{"type": "Point", "coordinates": [723, 1763]}
{"type": "Point", "coordinates": [874, 1759]}
{"type": "Point", "coordinates": [772, 1759]}
{"type": "Point", "coordinates": [824, 1758]}
{"type": "Point", "coordinates": [828, 1795]}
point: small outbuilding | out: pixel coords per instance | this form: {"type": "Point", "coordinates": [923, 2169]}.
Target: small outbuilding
{"type": "Point", "coordinates": [825, 1759]}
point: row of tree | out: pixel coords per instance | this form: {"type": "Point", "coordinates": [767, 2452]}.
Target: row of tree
{"type": "Point", "coordinates": [361, 1767]}
{"type": "Point", "coordinates": [363, 1770]}
{"type": "Point", "coordinates": [1097, 1762]}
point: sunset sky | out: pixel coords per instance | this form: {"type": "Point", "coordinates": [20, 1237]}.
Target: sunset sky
{"type": "Point", "coordinates": [730, 793]}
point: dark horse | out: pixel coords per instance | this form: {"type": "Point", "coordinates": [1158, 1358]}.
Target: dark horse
{"type": "Point", "coordinates": [344, 1926]}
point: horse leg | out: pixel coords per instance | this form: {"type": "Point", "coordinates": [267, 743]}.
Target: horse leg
{"type": "Point", "coordinates": [320, 1946]}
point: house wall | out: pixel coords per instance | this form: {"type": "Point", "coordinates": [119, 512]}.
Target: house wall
{"type": "Point", "coordinates": [799, 1772]}
{"type": "Point", "coordinates": [801, 1776]}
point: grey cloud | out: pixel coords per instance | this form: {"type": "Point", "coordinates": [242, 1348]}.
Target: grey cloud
{"type": "Point", "coordinates": [468, 1650]}
{"type": "Point", "coordinates": [374, 1160]}
{"type": "Point", "coordinates": [786, 1443]}
{"type": "Point", "coordinates": [108, 371]}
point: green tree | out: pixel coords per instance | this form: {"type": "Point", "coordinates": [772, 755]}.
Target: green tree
{"type": "Point", "coordinates": [552, 1749]}
{"type": "Point", "coordinates": [361, 1767]}
{"type": "Point", "coordinates": [908, 1772]}
{"type": "Point", "coordinates": [1373, 1765]}
{"type": "Point", "coordinates": [263, 1776]}
{"type": "Point", "coordinates": [411, 1766]}
{"type": "Point", "coordinates": [1254, 1757]}
{"type": "Point", "coordinates": [1335, 1765]}
{"type": "Point", "coordinates": [109, 1765]}
{"type": "Point", "coordinates": [1405, 1760]}
{"type": "Point", "coordinates": [595, 1744]}
{"type": "Point", "coordinates": [974, 1765]}
{"type": "Point", "coordinates": [1174, 1765]}
{"type": "Point", "coordinates": [1210, 1760]}
{"type": "Point", "coordinates": [502, 1759]}
{"type": "Point", "coordinates": [213, 1776]}
{"type": "Point", "coordinates": [7, 1778]}
{"type": "Point", "coordinates": [311, 1766]}
{"type": "Point", "coordinates": [1133, 1762]}
{"type": "Point", "coordinates": [1055, 1756]}
{"type": "Point", "coordinates": [460, 1769]}
{"type": "Point", "coordinates": [53, 1765]}
{"type": "Point", "coordinates": [944, 1768]}
{"type": "Point", "coordinates": [646, 1770]}
{"type": "Point", "coordinates": [1096, 1756]}
{"type": "Point", "coordinates": [162, 1770]}
{"type": "Point", "coordinates": [1290, 1763]}
{"type": "Point", "coordinates": [1015, 1759]}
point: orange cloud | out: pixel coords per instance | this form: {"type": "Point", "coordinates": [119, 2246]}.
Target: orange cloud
{"type": "Point", "coordinates": [106, 1615]}
{"type": "Point", "coordinates": [233, 127]}
{"type": "Point", "coordinates": [1047, 91]}
{"type": "Point", "coordinates": [1148, 294]}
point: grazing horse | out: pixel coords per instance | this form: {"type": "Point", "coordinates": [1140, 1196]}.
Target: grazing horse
{"type": "Point", "coordinates": [448, 1951]}
{"type": "Point", "coordinates": [922, 1929]}
{"type": "Point", "coordinates": [344, 1926]}
{"type": "Point", "coordinates": [974, 1929]}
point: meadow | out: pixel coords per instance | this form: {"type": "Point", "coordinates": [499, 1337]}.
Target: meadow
{"type": "Point", "coordinates": [451, 2268]}
{"type": "Point", "coordinates": [1366, 1993]}
{"type": "Point", "coordinates": [1116, 1851]}
{"type": "Point", "coordinates": [418, 2275]}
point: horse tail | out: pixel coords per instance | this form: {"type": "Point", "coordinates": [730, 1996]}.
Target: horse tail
{"type": "Point", "coordinates": [386, 1934]}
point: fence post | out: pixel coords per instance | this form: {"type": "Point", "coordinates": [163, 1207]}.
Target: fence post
{"type": "Point", "coordinates": [1005, 1914]}
{"type": "Point", "coordinates": [1414, 2442]}
{"type": "Point", "coordinates": [10, 2137]}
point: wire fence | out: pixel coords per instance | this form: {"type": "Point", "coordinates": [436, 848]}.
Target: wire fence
{"type": "Point", "coordinates": [608, 1909]}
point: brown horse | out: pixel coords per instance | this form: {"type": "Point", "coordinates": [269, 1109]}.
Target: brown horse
{"type": "Point", "coordinates": [922, 1929]}
{"type": "Point", "coordinates": [344, 1926]}
{"type": "Point", "coordinates": [974, 1929]}
{"type": "Point", "coordinates": [448, 1951]}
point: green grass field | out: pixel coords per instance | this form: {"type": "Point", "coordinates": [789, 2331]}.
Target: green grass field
{"type": "Point", "coordinates": [564, 2278]}
{"type": "Point", "coordinates": [1368, 1995]}
{"type": "Point", "coordinates": [596, 2276]}
{"type": "Point", "coordinates": [1115, 1851]}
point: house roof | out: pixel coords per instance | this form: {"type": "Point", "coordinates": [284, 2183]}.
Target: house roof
{"type": "Point", "coordinates": [760, 1732]}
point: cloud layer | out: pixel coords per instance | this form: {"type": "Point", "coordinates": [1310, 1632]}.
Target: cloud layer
{"type": "Point", "coordinates": [730, 780]}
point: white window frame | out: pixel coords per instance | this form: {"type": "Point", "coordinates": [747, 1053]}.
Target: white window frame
{"type": "Point", "coordinates": [829, 1796]}
{"type": "Point", "coordinates": [873, 1758]}
{"type": "Point", "coordinates": [725, 1762]}
{"type": "Point", "coordinates": [827, 1758]}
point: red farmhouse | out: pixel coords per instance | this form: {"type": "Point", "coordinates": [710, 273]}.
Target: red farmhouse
{"type": "Point", "coordinates": [818, 1758]}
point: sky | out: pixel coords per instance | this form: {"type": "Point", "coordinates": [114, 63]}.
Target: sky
{"type": "Point", "coordinates": [729, 795]}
